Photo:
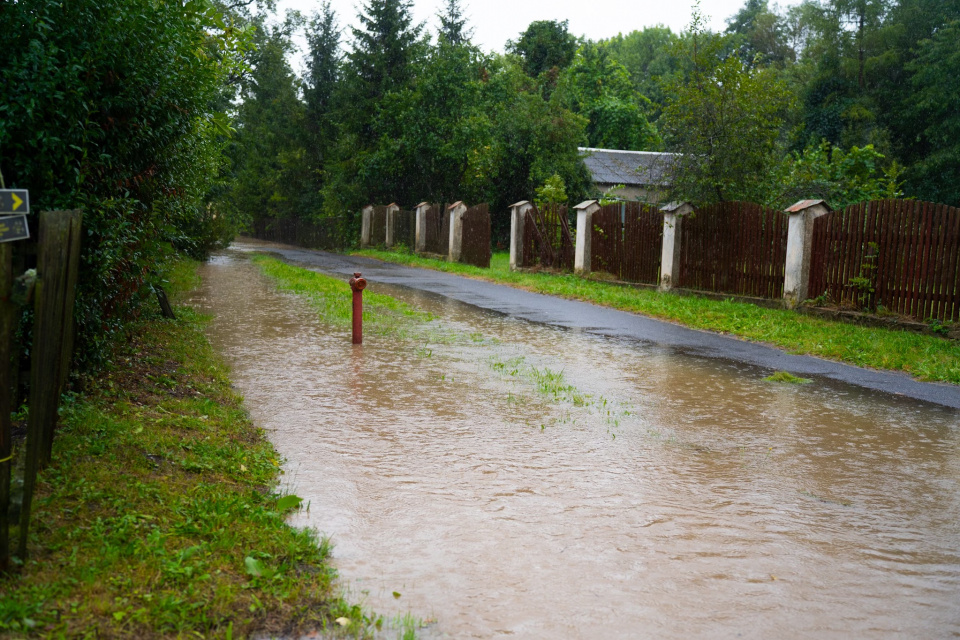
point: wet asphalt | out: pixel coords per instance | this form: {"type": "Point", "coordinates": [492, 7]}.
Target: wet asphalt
{"type": "Point", "coordinates": [589, 318]}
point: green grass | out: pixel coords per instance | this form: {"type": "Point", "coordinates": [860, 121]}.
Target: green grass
{"type": "Point", "coordinates": [332, 298]}
{"type": "Point", "coordinates": [159, 515]}
{"type": "Point", "coordinates": [924, 356]}
{"type": "Point", "coordinates": [787, 377]}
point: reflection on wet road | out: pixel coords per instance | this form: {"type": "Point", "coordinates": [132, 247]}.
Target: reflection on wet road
{"type": "Point", "coordinates": [513, 479]}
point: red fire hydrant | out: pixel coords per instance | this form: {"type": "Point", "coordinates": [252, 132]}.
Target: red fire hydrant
{"type": "Point", "coordinates": [358, 284]}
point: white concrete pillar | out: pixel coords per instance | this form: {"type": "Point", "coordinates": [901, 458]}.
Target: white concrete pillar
{"type": "Point", "coordinates": [583, 254]}
{"type": "Point", "coordinates": [673, 214]}
{"type": "Point", "coordinates": [518, 216]}
{"type": "Point", "coordinates": [420, 242]}
{"type": "Point", "coordinates": [365, 221]}
{"type": "Point", "coordinates": [796, 279]}
{"type": "Point", "coordinates": [457, 209]}
{"type": "Point", "coordinates": [392, 210]}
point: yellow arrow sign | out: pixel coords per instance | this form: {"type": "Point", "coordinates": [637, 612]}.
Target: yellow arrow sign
{"type": "Point", "coordinates": [14, 201]}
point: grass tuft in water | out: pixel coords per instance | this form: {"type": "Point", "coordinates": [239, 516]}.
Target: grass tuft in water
{"type": "Point", "coordinates": [787, 378]}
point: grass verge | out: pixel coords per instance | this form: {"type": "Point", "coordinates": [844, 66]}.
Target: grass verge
{"type": "Point", "coordinates": [926, 357]}
{"type": "Point", "coordinates": [160, 517]}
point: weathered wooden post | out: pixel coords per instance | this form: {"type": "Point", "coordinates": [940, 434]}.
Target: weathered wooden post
{"type": "Point", "coordinates": [673, 214]}
{"type": "Point", "coordinates": [366, 221]}
{"type": "Point", "coordinates": [457, 209]}
{"type": "Point", "coordinates": [796, 279]}
{"type": "Point", "coordinates": [583, 255]}
{"type": "Point", "coordinates": [518, 218]}
{"type": "Point", "coordinates": [357, 285]}
{"type": "Point", "coordinates": [420, 241]}
{"type": "Point", "coordinates": [12, 227]}
{"type": "Point", "coordinates": [53, 327]}
{"type": "Point", "coordinates": [392, 210]}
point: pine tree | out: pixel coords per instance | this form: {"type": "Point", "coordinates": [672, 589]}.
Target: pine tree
{"type": "Point", "coordinates": [382, 61]}
{"type": "Point", "coordinates": [323, 74]}
{"type": "Point", "coordinates": [453, 24]}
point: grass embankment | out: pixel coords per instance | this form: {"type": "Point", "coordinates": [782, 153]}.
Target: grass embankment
{"type": "Point", "coordinates": [926, 357]}
{"type": "Point", "coordinates": [160, 517]}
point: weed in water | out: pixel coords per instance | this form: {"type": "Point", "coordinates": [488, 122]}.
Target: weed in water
{"type": "Point", "coordinates": [787, 378]}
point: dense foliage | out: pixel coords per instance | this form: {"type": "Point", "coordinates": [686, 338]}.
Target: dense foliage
{"type": "Point", "coordinates": [840, 99]}
{"type": "Point", "coordinates": [110, 106]}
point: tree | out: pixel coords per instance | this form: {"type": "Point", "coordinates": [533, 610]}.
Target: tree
{"type": "Point", "coordinates": [759, 34]}
{"type": "Point", "coordinates": [936, 84]}
{"type": "Point", "coordinates": [453, 24]}
{"type": "Point", "coordinates": [271, 172]}
{"type": "Point", "coordinates": [545, 45]}
{"type": "Point", "coordinates": [385, 49]}
{"type": "Point", "coordinates": [111, 106]}
{"type": "Point", "coordinates": [648, 56]}
{"type": "Point", "coordinates": [725, 120]}
{"type": "Point", "coordinates": [320, 94]}
{"type": "Point", "coordinates": [598, 87]}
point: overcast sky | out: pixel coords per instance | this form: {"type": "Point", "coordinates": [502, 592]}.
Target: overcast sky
{"type": "Point", "coordinates": [496, 21]}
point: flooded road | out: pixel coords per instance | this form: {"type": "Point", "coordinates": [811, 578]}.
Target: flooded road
{"type": "Point", "coordinates": [511, 479]}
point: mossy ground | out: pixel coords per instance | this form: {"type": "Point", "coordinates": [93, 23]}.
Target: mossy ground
{"type": "Point", "coordinates": [926, 357]}
{"type": "Point", "coordinates": [159, 515]}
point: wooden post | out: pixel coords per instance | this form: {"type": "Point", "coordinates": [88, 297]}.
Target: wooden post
{"type": "Point", "coordinates": [7, 330]}
{"type": "Point", "coordinates": [53, 291]}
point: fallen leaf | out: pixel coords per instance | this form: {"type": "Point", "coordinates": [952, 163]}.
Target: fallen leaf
{"type": "Point", "coordinates": [343, 621]}
{"type": "Point", "coordinates": [396, 594]}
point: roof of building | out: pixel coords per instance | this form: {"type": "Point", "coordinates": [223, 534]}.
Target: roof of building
{"type": "Point", "coordinates": [610, 166]}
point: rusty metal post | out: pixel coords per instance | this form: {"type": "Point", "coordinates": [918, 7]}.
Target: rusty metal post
{"type": "Point", "coordinates": [357, 284]}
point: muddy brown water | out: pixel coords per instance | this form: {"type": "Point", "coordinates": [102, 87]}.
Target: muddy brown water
{"type": "Point", "coordinates": [647, 494]}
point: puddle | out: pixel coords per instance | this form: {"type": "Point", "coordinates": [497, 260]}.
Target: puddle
{"type": "Point", "coordinates": [510, 479]}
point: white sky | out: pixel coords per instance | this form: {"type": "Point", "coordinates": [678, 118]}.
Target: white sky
{"type": "Point", "coordinates": [496, 21]}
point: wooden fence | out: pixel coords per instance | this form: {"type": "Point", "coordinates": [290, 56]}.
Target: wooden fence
{"type": "Point", "coordinates": [405, 228]}
{"type": "Point", "coordinates": [378, 226]}
{"type": "Point", "coordinates": [626, 241]}
{"type": "Point", "coordinates": [328, 234]}
{"type": "Point", "coordinates": [547, 239]}
{"type": "Point", "coordinates": [734, 247]}
{"type": "Point", "coordinates": [475, 249]}
{"type": "Point", "coordinates": [438, 229]}
{"type": "Point", "coordinates": [900, 254]}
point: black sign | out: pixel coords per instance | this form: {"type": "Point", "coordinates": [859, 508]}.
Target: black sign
{"type": "Point", "coordinates": [14, 201]}
{"type": "Point", "coordinates": [13, 228]}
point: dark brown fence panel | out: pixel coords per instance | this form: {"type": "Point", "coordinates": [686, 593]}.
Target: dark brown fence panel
{"type": "Point", "coordinates": [329, 234]}
{"type": "Point", "coordinates": [642, 243]}
{"type": "Point", "coordinates": [548, 241]}
{"type": "Point", "coordinates": [734, 247]}
{"type": "Point", "coordinates": [405, 228]}
{"type": "Point", "coordinates": [378, 226]}
{"type": "Point", "coordinates": [901, 255]}
{"type": "Point", "coordinates": [606, 240]}
{"type": "Point", "coordinates": [476, 236]}
{"type": "Point", "coordinates": [438, 229]}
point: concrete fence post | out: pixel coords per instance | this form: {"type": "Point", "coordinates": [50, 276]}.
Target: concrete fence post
{"type": "Point", "coordinates": [796, 278]}
{"type": "Point", "coordinates": [392, 210]}
{"type": "Point", "coordinates": [518, 217]}
{"type": "Point", "coordinates": [420, 242]}
{"type": "Point", "coordinates": [673, 214]}
{"type": "Point", "coordinates": [366, 220]}
{"type": "Point", "coordinates": [583, 254]}
{"type": "Point", "coordinates": [457, 209]}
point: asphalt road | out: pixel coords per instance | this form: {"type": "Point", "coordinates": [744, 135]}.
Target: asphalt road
{"type": "Point", "coordinates": [611, 322]}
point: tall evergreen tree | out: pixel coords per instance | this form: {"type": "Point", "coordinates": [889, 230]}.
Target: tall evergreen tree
{"type": "Point", "coordinates": [453, 24]}
{"type": "Point", "coordinates": [320, 92]}
{"type": "Point", "coordinates": [385, 49]}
